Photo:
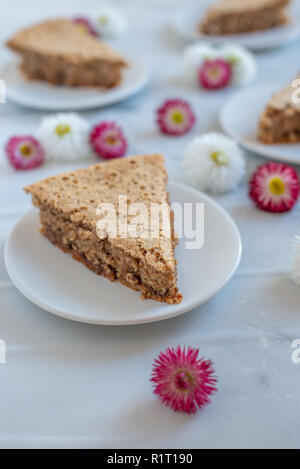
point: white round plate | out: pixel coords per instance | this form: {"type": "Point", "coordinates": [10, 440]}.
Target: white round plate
{"type": "Point", "coordinates": [186, 22]}
{"type": "Point", "coordinates": [55, 282]}
{"type": "Point", "coordinates": [239, 119]}
{"type": "Point", "coordinates": [44, 96]}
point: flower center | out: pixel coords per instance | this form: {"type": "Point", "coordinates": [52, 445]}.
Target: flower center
{"type": "Point", "coordinates": [214, 73]}
{"type": "Point", "coordinates": [183, 380]}
{"type": "Point", "coordinates": [177, 117]}
{"type": "Point", "coordinates": [219, 158]}
{"type": "Point", "coordinates": [277, 186]}
{"type": "Point", "coordinates": [62, 129]}
{"type": "Point", "coordinates": [25, 150]}
{"type": "Point", "coordinates": [112, 139]}
{"type": "Point", "coordinates": [103, 20]}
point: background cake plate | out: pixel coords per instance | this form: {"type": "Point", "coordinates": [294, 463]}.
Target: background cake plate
{"type": "Point", "coordinates": [58, 284]}
{"type": "Point", "coordinates": [240, 116]}
{"type": "Point", "coordinates": [44, 96]}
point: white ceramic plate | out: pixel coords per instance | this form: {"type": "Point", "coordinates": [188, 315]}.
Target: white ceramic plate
{"type": "Point", "coordinates": [186, 22]}
{"type": "Point", "coordinates": [239, 119]}
{"type": "Point", "coordinates": [43, 96]}
{"type": "Point", "coordinates": [55, 282]}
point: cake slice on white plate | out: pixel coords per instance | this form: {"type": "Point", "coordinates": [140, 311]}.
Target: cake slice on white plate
{"type": "Point", "coordinates": [243, 16]}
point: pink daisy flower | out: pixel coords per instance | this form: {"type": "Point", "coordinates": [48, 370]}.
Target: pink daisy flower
{"type": "Point", "coordinates": [108, 140]}
{"type": "Point", "coordinates": [274, 187]}
{"type": "Point", "coordinates": [85, 25]}
{"type": "Point", "coordinates": [183, 381]}
{"type": "Point", "coordinates": [175, 117]}
{"type": "Point", "coordinates": [215, 74]}
{"type": "Point", "coordinates": [24, 152]}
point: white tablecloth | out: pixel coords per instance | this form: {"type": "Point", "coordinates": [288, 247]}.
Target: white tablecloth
{"type": "Point", "coordinates": [73, 385]}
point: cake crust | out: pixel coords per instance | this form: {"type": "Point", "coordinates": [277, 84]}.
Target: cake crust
{"type": "Point", "coordinates": [236, 16]}
{"type": "Point", "coordinates": [68, 213]}
{"type": "Point", "coordinates": [57, 52]}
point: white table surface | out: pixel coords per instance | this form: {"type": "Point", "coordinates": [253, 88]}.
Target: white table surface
{"type": "Point", "coordinates": [73, 385]}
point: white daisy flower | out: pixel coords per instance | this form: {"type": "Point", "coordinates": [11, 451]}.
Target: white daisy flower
{"type": "Point", "coordinates": [243, 64]}
{"type": "Point", "coordinates": [64, 137]}
{"type": "Point", "coordinates": [194, 56]}
{"type": "Point", "coordinates": [295, 273]}
{"type": "Point", "coordinates": [110, 22]}
{"type": "Point", "coordinates": [214, 163]}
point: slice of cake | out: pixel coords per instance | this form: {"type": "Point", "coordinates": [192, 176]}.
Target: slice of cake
{"type": "Point", "coordinates": [242, 16]}
{"type": "Point", "coordinates": [59, 52]}
{"type": "Point", "coordinates": [280, 121]}
{"type": "Point", "coordinates": [74, 218]}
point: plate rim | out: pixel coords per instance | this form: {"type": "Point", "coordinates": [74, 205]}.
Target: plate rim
{"type": "Point", "coordinates": [190, 306]}
{"type": "Point", "coordinates": [130, 90]}
{"type": "Point", "coordinates": [260, 149]}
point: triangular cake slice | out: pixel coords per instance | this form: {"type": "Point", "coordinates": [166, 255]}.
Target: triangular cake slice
{"type": "Point", "coordinates": [58, 52]}
{"type": "Point", "coordinates": [73, 218]}
{"type": "Point", "coordinates": [280, 121]}
{"type": "Point", "coordinates": [243, 16]}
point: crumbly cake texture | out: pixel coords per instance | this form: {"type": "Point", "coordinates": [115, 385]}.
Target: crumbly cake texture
{"type": "Point", "coordinates": [242, 16]}
{"type": "Point", "coordinates": [280, 121]}
{"type": "Point", "coordinates": [58, 52]}
{"type": "Point", "coordinates": [68, 206]}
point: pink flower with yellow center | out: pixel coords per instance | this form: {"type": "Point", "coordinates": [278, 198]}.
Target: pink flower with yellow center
{"type": "Point", "coordinates": [274, 187]}
{"type": "Point", "coordinates": [175, 117]}
{"type": "Point", "coordinates": [85, 25]}
{"type": "Point", "coordinates": [24, 152]}
{"type": "Point", "coordinates": [215, 74]}
{"type": "Point", "coordinates": [183, 381]}
{"type": "Point", "coordinates": [108, 140]}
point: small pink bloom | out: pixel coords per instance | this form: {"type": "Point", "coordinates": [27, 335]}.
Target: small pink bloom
{"type": "Point", "coordinates": [85, 25]}
{"type": "Point", "coordinates": [215, 74]}
{"type": "Point", "coordinates": [183, 381]}
{"type": "Point", "coordinates": [24, 152]}
{"type": "Point", "coordinates": [108, 141]}
{"type": "Point", "coordinates": [274, 187]}
{"type": "Point", "coordinates": [175, 117]}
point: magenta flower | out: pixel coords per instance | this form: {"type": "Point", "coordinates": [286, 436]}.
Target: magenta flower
{"type": "Point", "coordinates": [182, 381]}
{"type": "Point", "coordinates": [108, 141]}
{"type": "Point", "coordinates": [85, 25]}
{"type": "Point", "coordinates": [175, 117]}
{"type": "Point", "coordinates": [274, 187]}
{"type": "Point", "coordinates": [215, 74]}
{"type": "Point", "coordinates": [24, 152]}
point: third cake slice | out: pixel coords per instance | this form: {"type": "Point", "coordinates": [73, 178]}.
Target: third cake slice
{"type": "Point", "coordinates": [69, 214]}
{"type": "Point", "coordinates": [280, 121]}
{"type": "Point", "coordinates": [242, 16]}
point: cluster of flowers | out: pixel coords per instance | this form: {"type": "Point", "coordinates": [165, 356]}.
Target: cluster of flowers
{"type": "Point", "coordinates": [66, 137]}
{"type": "Point", "coordinates": [215, 68]}
{"type": "Point", "coordinates": [109, 23]}
{"type": "Point", "coordinates": [212, 162]}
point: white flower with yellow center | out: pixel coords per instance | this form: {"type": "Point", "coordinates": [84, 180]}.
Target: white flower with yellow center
{"type": "Point", "coordinates": [214, 163]}
{"type": "Point", "coordinates": [65, 137]}
{"type": "Point", "coordinates": [194, 57]}
{"type": "Point", "coordinates": [243, 64]}
{"type": "Point", "coordinates": [110, 22]}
